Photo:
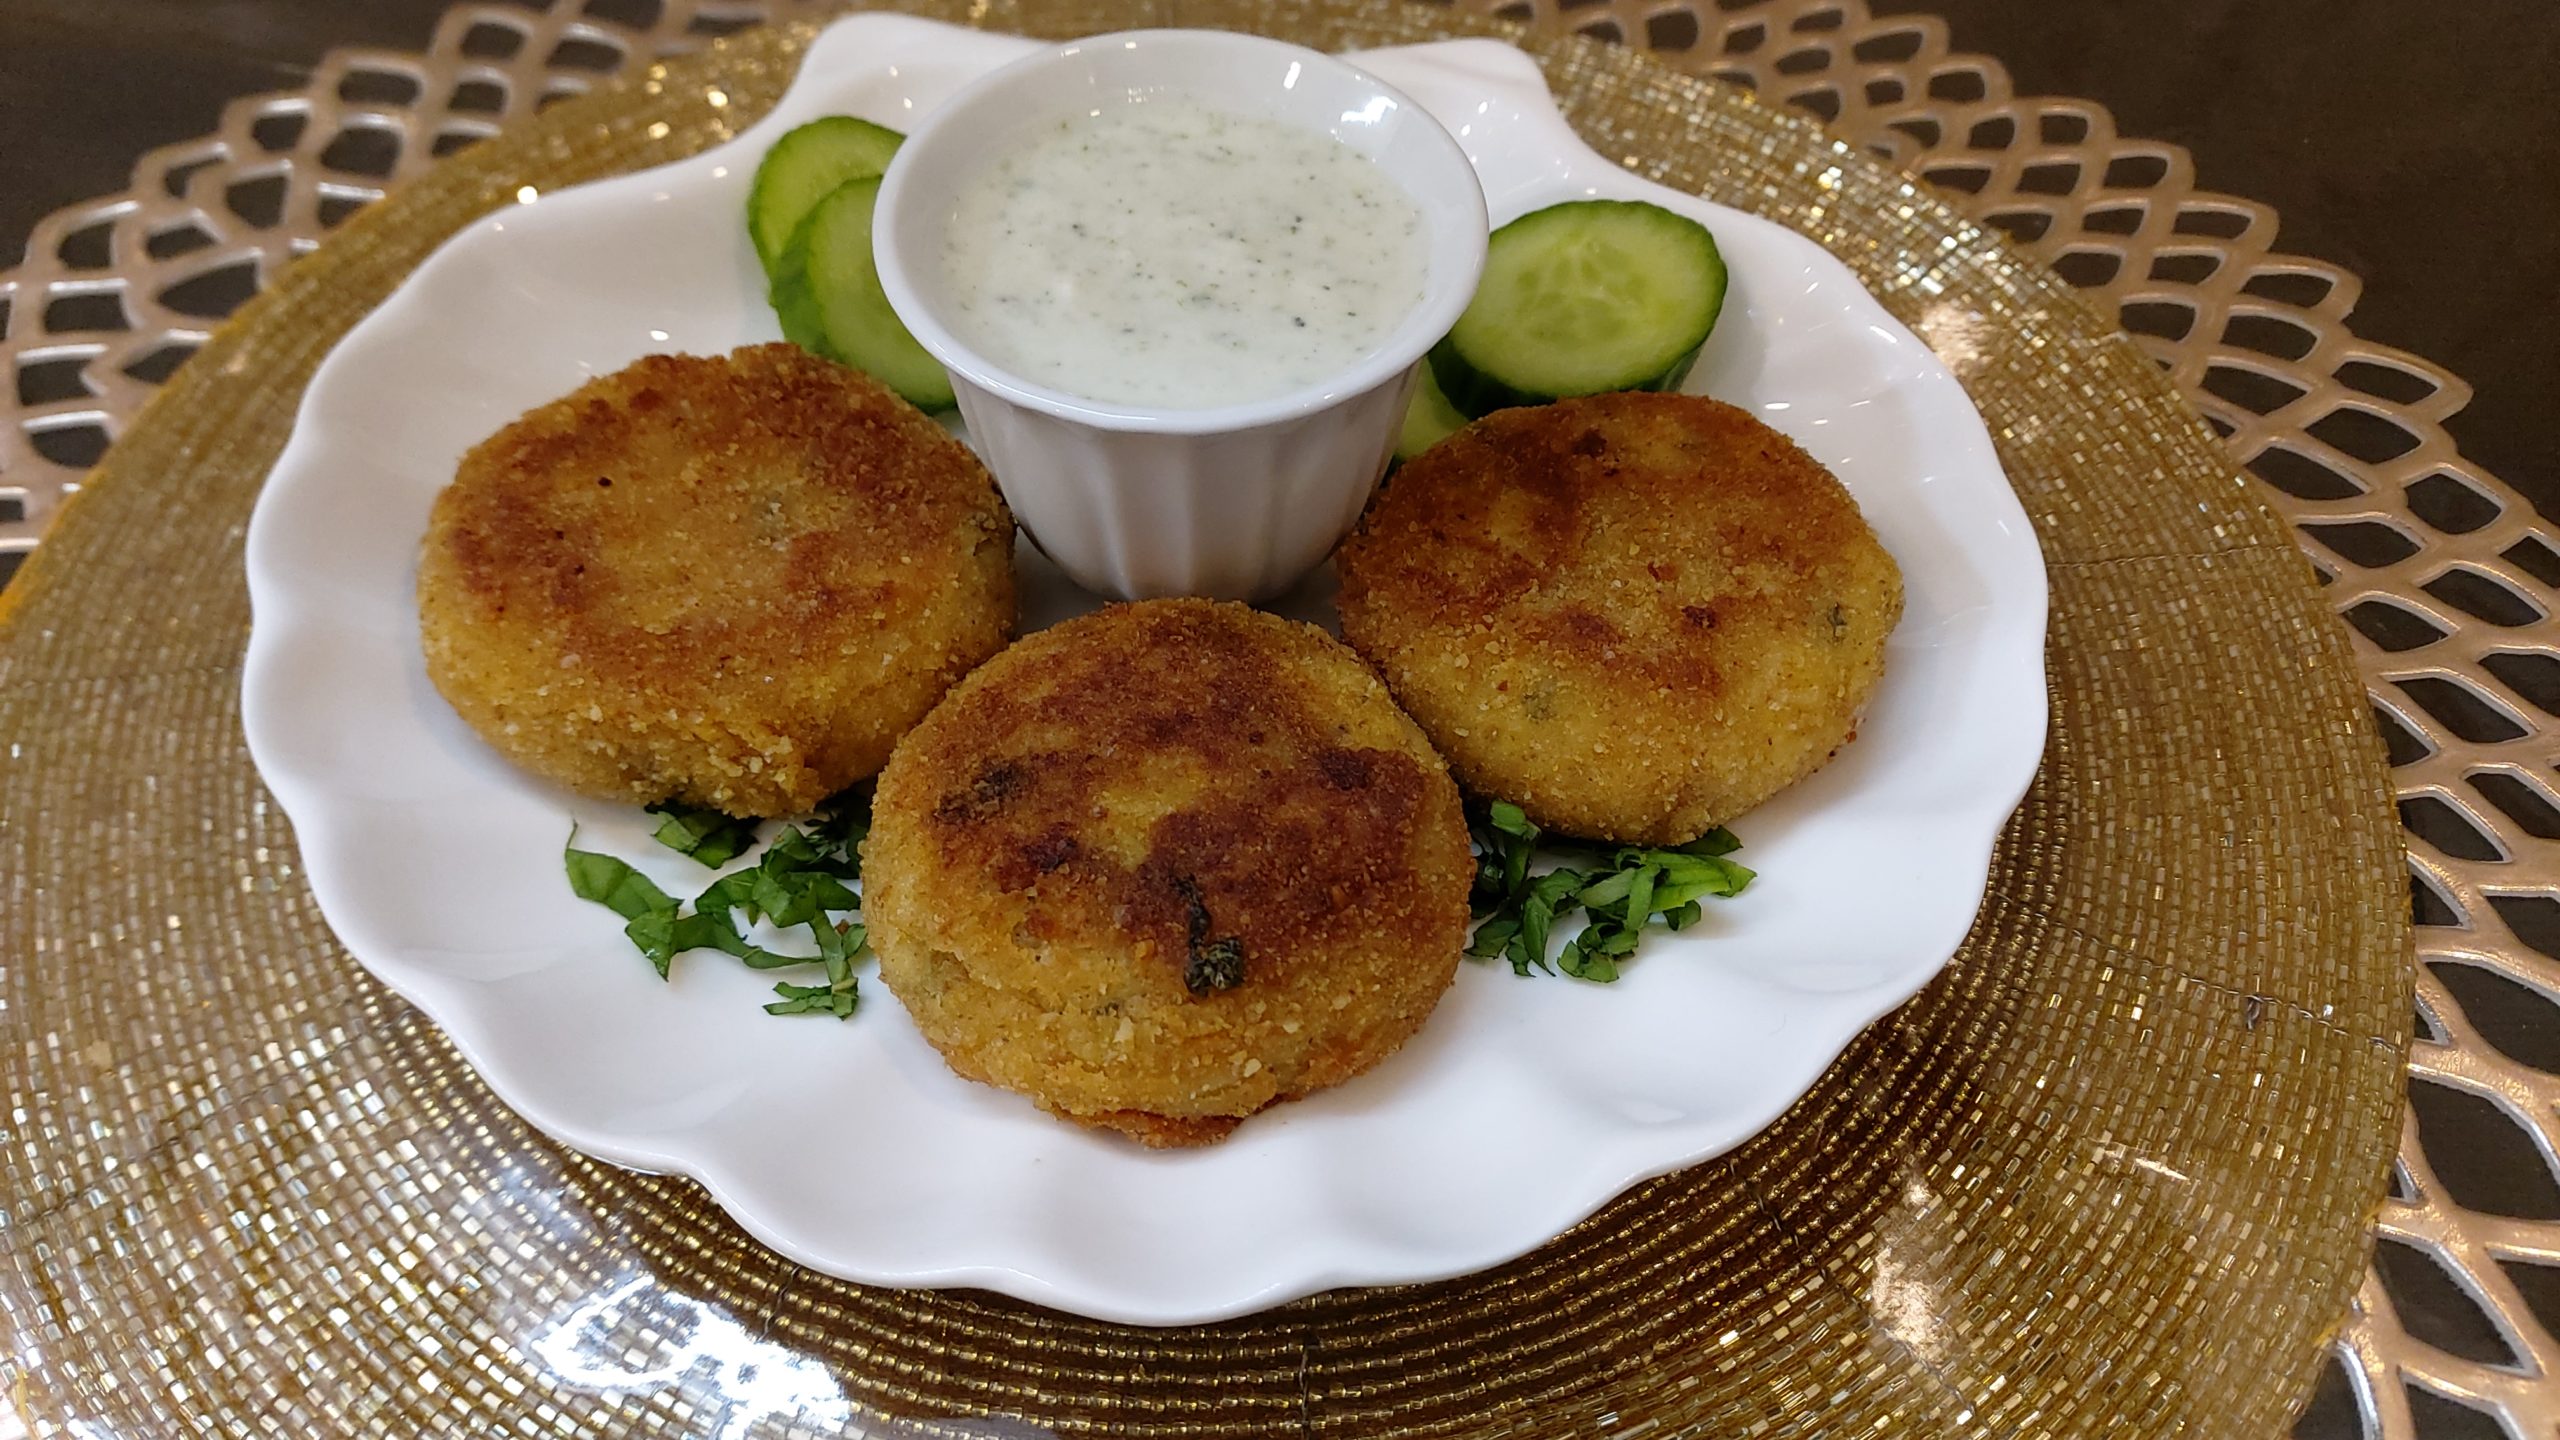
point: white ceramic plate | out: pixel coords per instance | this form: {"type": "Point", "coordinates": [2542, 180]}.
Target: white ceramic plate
{"type": "Point", "coordinates": [848, 1146]}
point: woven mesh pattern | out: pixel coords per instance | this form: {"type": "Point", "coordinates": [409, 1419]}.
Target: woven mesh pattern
{"type": "Point", "coordinates": [256, 1189]}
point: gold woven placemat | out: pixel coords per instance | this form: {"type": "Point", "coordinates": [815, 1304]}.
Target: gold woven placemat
{"type": "Point", "coordinates": [2110, 1174]}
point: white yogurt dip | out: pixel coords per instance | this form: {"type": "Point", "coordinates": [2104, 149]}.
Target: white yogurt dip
{"type": "Point", "coordinates": [1159, 252]}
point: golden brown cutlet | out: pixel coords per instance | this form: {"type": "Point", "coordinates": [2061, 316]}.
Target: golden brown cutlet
{"type": "Point", "coordinates": [1635, 616]}
{"type": "Point", "coordinates": [732, 581]}
{"type": "Point", "coordinates": [1165, 865]}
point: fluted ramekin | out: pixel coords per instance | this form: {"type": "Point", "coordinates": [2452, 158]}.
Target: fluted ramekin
{"type": "Point", "coordinates": [1236, 501]}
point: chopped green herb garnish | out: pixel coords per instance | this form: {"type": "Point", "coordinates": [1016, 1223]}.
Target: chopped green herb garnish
{"type": "Point", "coordinates": [844, 824]}
{"type": "Point", "coordinates": [804, 878]}
{"type": "Point", "coordinates": [802, 1000]}
{"type": "Point", "coordinates": [1630, 888]}
{"type": "Point", "coordinates": [664, 935]}
{"type": "Point", "coordinates": [1214, 965]}
{"type": "Point", "coordinates": [706, 835]}
{"type": "Point", "coordinates": [613, 884]}
{"type": "Point", "coordinates": [838, 944]}
{"type": "Point", "coordinates": [732, 891]}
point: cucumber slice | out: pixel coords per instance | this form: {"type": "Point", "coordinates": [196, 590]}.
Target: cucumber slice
{"type": "Point", "coordinates": [802, 167]}
{"type": "Point", "coordinates": [1582, 298]}
{"type": "Point", "coordinates": [827, 292]}
{"type": "Point", "coordinates": [1428, 419]}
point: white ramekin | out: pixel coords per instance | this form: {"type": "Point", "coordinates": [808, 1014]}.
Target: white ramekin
{"type": "Point", "coordinates": [1236, 501]}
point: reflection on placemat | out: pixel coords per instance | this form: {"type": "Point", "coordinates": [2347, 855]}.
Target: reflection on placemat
{"type": "Point", "coordinates": [2109, 1174]}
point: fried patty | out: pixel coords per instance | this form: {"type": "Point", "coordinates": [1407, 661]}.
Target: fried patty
{"type": "Point", "coordinates": [1165, 865]}
{"type": "Point", "coordinates": [732, 581]}
{"type": "Point", "coordinates": [1635, 616]}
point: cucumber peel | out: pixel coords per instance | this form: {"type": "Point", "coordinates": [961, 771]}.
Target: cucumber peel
{"type": "Point", "coordinates": [1580, 299]}
{"type": "Point", "coordinates": [802, 168]}
{"type": "Point", "coordinates": [1429, 418]}
{"type": "Point", "coordinates": [826, 291]}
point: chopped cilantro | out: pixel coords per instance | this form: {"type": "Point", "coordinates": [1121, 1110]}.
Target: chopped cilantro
{"type": "Point", "coordinates": [843, 826]}
{"type": "Point", "coordinates": [613, 884]}
{"type": "Point", "coordinates": [1630, 887]}
{"type": "Point", "coordinates": [805, 878]}
{"type": "Point", "coordinates": [801, 1000]}
{"type": "Point", "coordinates": [706, 835]}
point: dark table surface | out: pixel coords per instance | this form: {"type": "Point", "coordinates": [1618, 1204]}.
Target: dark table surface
{"type": "Point", "coordinates": [2417, 145]}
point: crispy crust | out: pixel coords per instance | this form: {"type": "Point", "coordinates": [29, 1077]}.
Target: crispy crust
{"type": "Point", "coordinates": [733, 581]}
{"type": "Point", "coordinates": [1167, 864]}
{"type": "Point", "coordinates": [1635, 616]}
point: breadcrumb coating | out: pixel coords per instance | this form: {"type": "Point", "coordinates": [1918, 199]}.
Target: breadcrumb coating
{"type": "Point", "coordinates": [1165, 865]}
{"type": "Point", "coordinates": [1635, 616]}
{"type": "Point", "coordinates": [731, 581]}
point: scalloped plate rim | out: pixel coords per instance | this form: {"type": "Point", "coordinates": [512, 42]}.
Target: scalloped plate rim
{"type": "Point", "coordinates": [1635, 1155]}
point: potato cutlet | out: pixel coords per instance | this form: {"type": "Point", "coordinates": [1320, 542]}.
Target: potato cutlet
{"type": "Point", "coordinates": [1635, 616]}
{"type": "Point", "coordinates": [730, 581]}
{"type": "Point", "coordinates": [1167, 864]}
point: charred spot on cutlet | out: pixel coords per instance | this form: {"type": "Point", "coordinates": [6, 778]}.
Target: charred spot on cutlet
{"type": "Point", "coordinates": [984, 795]}
{"type": "Point", "coordinates": [1349, 769]}
{"type": "Point", "coordinates": [1046, 853]}
{"type": "Point", "coordinates": [1051, 851]}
